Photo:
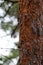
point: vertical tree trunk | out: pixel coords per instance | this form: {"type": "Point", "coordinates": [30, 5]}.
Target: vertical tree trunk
{"type": "Point", "coordinates": [31, 32]}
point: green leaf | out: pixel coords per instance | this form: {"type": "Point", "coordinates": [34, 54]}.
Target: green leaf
{"type": "Point", "coordinates": [14, 53]}
{"type": "Point", "coordinates": [6, 25]}
{"type": "Point", "coordinates": [14, 10]}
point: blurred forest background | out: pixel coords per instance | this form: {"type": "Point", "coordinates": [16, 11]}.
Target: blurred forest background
{"type": "Point", "coordinates": [8, 22]}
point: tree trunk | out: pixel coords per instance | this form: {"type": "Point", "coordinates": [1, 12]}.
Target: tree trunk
{"type": "Point", "coordinates": [31, 32]}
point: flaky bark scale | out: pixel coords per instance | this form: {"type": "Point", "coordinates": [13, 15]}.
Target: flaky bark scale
{"type": "Point", "coordinates": [31, 32]}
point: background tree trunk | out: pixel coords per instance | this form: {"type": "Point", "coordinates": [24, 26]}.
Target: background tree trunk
{"type": "Point", "coordinates": [31, 32]}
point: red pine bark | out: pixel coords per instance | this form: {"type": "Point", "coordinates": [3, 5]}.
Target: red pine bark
{"type": "Point", "coordinates": [31, 32]}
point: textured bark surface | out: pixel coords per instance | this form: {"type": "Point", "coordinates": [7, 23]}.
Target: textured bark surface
{"type": "Point", "coordinates": [31, 32]}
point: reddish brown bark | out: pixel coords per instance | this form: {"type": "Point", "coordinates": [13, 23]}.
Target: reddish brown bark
{"type": "Point", "coordinates": [31, 32]}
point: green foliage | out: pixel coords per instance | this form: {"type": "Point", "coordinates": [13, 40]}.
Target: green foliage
{"type": "Point", "coordinates": [6, 25]}
{"type": "Point", "coordinates": [14, 53]}
{"type": "Point", "coordinates": [14, 10]}
{"type": "Point", "coordinates": [11, 0]}
{"type": "Point", "coordinates": [11, 11]}
{"type": "Point", "coordinates": [0, 58]}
